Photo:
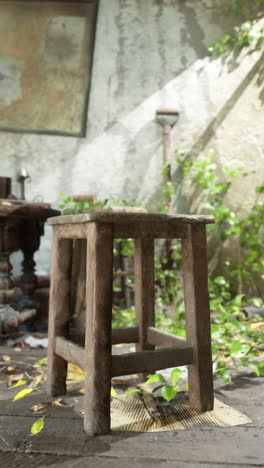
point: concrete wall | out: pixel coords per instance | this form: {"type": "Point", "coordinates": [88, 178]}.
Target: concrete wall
{"type": "Point", "coordinates": [151, 54]}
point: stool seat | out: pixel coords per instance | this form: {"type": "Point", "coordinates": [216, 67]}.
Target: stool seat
{"type": "Point", "coordinates": [100, 228]}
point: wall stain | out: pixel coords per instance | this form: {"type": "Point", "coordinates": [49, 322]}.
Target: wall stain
{"type": "Point", "coordinates": [192, 33]}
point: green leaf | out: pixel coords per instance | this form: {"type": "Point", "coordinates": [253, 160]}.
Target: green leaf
{"type": "Point", "coordinates": [41, 362]}
{"type": "Point", "coordinates": [156, 378]}
{"type": "Point", "coordinates": [23, 393]}
{"type": "Point", "coordinates": [261, 368]}
{"type": "Point", "coordinates": [257, 301]}
{"type": "Point", "coordinates": [235, 347]}
{"type": "Point", "coordinates": [37, 426]}
{"type": "Point", "coordinates": [18, 384]}
{"type": "Point", "coordinates": [239, 349]}
{"type": "Point", "coordinates": [131, 391]}
{"type": "Point", "coordinates": [254, 368]}
{"type": "Point", "coordinates": [169, 392]}
{"type": "Point", "coordinates": [175, 374]}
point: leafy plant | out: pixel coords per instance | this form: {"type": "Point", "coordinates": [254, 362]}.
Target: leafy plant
{"type": "Point", "coordinates": [236, 341]}
{"type": "Point", "coordinates": [168, 391]}
{"type": "Point", "coordinates": [248, 32]}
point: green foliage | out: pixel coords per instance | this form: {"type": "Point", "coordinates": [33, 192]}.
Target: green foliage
{"type": "Point", "coordinates": [167, 390]}
{"type": "Point", "coordinates": [236, 341]}
{"type": "Point", "coordinates": [69, 206]}
{"type": "Point", "coordinates": [123, 317]}
{"type": "Point", "coordinates": [247, 33]}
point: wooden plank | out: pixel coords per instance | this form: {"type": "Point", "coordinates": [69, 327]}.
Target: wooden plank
{"type": "Point", "coordinates": [69, 351]}
{"type": "Point", "coordinates": [144, 290]}
{"type": "Point", "coordinates": [79, 284]}
{"type": "Point", "coordinates": [98, 329]}
{"type": "Point", "coordinates": [125, 335]}
{"type": "Point", "coordinates": [59, 312]}
{"type": "Point", "coordinates": [150, 361]}
{"type": "Point", "coordinates": [159, 230]}
{"type": "Point", "coordinates": [74, 231]}
{"type": "Point", "coordinates": [106, 216]}
{"type": "Point", "coordinates": [160, 338]}
{"type": "Point", "coordinates": [195, 279]}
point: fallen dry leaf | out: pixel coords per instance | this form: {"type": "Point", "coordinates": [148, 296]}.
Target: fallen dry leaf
{"type": "Point", "coordinates": [61, 404]}
{"type": "Point", "coordinates": [41, 407]}
{"type": "Point", "coordinates": [6, 358]}
{"type": "Point", "coordinates": [258, 326]}
{"type": "Point", "coordinates": [12, 369]}
{"type": "Point", "coordinates": [15, 378]}
{"type": "Point", "coordinates": [119, 382]}
{"type": "Point", "coordinates": [18, 384]}
{"type": "Point", "coordinates": [75, 373]}
{"type": "Point", "coordinates": [37, 426]}
{"type": "Point", "coordinates": [41, 362]}
{"type": "Point", "coordinates": [22, 393]}
{"type": "Point", "coordinates": [36, 381]}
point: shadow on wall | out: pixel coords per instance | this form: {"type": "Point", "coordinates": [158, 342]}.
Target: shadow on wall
{"type": "Point", "coordinates": [209, 132]}
{"type": "Point", "coordinates": [153, 43]}
{"type": "Point", "coordinates": [184, 204]}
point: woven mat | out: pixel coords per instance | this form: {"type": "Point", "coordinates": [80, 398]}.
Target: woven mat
{"type": "Point", "coordinates": [130, 414]}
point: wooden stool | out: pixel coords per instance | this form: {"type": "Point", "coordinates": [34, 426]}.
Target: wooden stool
{"type": "Point", "coordinates": [100, 228]}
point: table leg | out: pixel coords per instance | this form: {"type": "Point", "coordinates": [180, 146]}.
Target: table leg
{"type": "Point", "coordinates": [195, 277]}
{"type": "Point", "coordinates": [98, 328]}
{"type": "Point", "coordinates": [6, 248]}
{"type": "Point", "coordinates": [59, 312]}
{"type": "Point", "coordinates": [144, 290]}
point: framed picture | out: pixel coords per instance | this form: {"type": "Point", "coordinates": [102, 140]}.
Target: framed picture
{"type": "Point", "coordinates": [45, 65]}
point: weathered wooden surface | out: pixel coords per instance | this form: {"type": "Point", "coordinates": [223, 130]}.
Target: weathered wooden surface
{"type": "Point", "coordinates": [59, 312]}
{"type": "Point", "coordinates": [146, 229]}
{"type": "Point", "coordinates": [18, 208]}
{"type": "Point", "coordinates": [100, 228]}
{"type": "Point", "coordinates": [69, 231]}
{"type": "Point", "coordinates": [144, 290]}
{"type": "Point", "coordinates": [150, 361]}
{"type": "Point", "coordinates": [196, 297]}
{"type": "Point", "coordinates": [241, 446]}
{"type": "Point", "coordinates": [79, 284]}
{"type": "Point", "coordinates": [98, 329]}
{"type": "Point", "coordinates": [69, 351]}
{"type": "Point", "coordinates": [129, 217]}
{"type": "Point", "coordinates": [125, 335]}
{"type": "Point", "coordinates": [160, 338]}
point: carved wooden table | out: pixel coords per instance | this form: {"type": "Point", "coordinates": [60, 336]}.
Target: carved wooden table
{"type": "Point", "coordinates": [21, 226]}
{"type": "Point", "coordinates": [100, 229]}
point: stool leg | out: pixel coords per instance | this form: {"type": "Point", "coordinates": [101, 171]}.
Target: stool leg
{"type": "Point", "coordinates": [144, 290]}
{"type": "Point", "coordinates": [59, 312]}
{"type": "Point", "coordinates": [98, 328]}
{"type": "Point", "coordinates": [195, 278]}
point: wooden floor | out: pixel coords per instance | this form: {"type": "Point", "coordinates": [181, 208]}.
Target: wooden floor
{"type": "Point", "coordinates": [63, 443]}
